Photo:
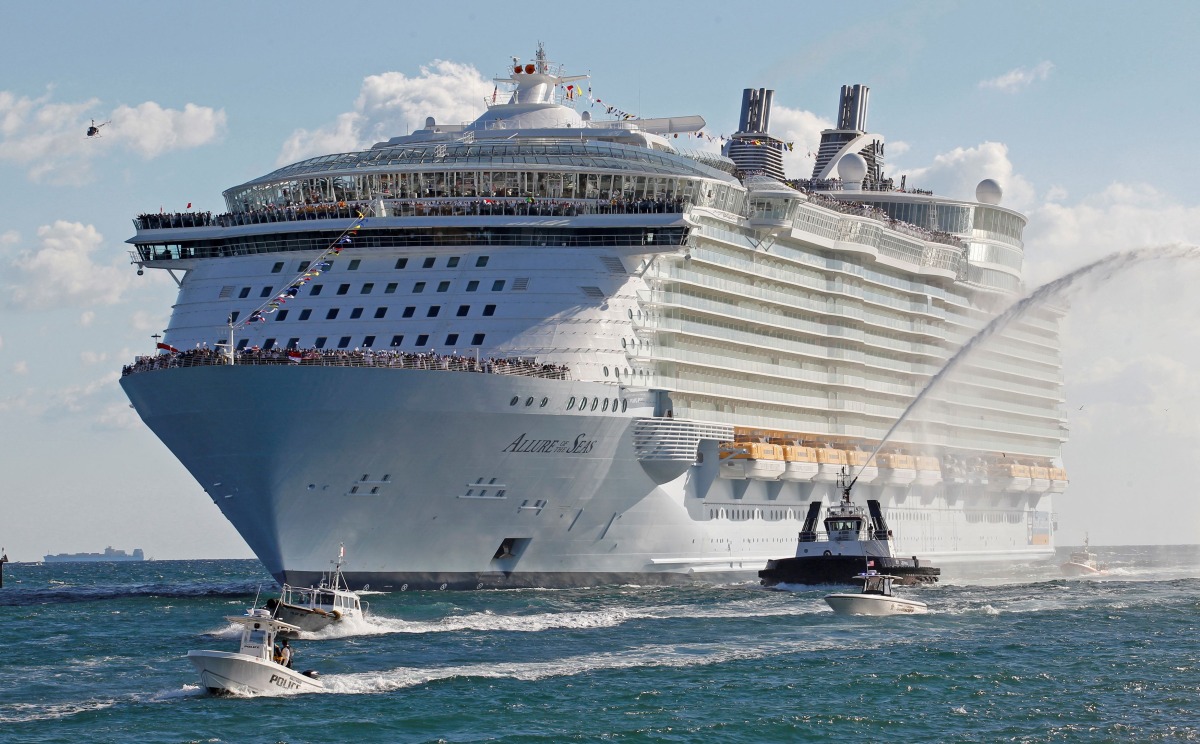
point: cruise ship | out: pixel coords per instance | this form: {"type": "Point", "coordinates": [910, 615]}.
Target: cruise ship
{"type": "Point", "coordinates": [551, 349]}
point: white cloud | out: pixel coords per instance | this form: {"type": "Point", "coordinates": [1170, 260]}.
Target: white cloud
{"type": "Point", "coordinates": [20, 367]}
{"type": "Point", "coordinates": [50, 141]}
{"type": "Point", "coordinates": [803, 129]}
{"type": "Point", "coordinates": [391, 104]}
{"type": "Point", "coordinates": [86, 318]}
{"type": "Point", "coordinates": [1014, 80]}
{"type": "Point", "coordinates": [141, 320]}
{"type": "Point", "coordinates": [60, 270]}
{"type": "Point", "coordinates": [93, 357]}
{"type": "Point", "coordinates": [151, 130]}
{"type": "Point", "coordinates": [958, 172]}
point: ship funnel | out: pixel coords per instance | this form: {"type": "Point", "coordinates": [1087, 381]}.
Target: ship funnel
{"type": "Point", "coordinates": [852, 108]}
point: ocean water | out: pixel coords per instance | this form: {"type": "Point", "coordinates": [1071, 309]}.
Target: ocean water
{"type": "Point", "coordinates": [97, 652]}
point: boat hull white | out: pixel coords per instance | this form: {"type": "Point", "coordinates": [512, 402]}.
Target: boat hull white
{"type": "Point", "coordinates": [223, 672]}
{"type": "Point", "coordinates": [874, 604]}
{"type": "Point", "coordinates": [1082, 569]}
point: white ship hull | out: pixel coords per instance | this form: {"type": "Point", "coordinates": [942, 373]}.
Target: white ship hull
{"type": "Point", "coordinates": [225, 672]}
{"type": "Point", "coordinates": [870, 604]}
{"type": "Point", "coordinates": [426, 474]}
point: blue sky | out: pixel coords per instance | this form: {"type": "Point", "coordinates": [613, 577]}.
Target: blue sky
{"type": "Point", "coordinates": [1083, 111]}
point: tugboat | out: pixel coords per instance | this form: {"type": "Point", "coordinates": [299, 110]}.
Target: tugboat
{"type": "Point", "coordinates": [313, 608]}
{"type": "Point", "coordinates": [851, 546]}
{"type": "Point", "coordinates": [1084, 563]}
{"type": "Point", "coordinates": [876, 598]}
{"type": "Point", "coordinates": [255, 669]}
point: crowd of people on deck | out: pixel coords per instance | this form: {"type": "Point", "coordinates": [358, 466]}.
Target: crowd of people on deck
{"type": "Point", "coordinates": [361, 357]}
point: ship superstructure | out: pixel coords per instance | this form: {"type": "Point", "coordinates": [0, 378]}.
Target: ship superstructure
{"type": "Point", "coordinates": [545, 350]}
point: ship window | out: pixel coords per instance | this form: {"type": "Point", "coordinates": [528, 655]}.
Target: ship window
{"type": "Point", "coordinates": [266, 292]}
{"type": "Point", "coordinates": [463, 310]}
{"type": "Point", "coordinates": [595, 401]}
{"type": "Point", "coordinates": [380, 312]}
{"type": "Point", "coordinates": [332, 314]}
{"type": "Point", "coordinates": [343, 342]}
{"type": "Point", "coordinates": [354, 264]}
{"type": "Point", "coordinates": [477, 339]}
{"type": "Point", "coordinates": [433, 311]}
{"type": "Point", "coordinates": [268, 344]}
{"type": "Point", "coordinates": [243, 343]}
{"type": "Point", "coordinates": [343, 289]}
{"type": "Point", "coordinates": [624, 405]}
{"type": "Point", "coordinates": [452, 262]}
{"type": "Point", "coordinates": [278, 267]}
{"type": "Point", "coordinates": [497, 286]}
{"type": "Point", "coordinates": [390, 288]}
{"type": "Point", "coordinates": [368, 342]}
{"type": "Point", "coordinates": [281, 315]}
{"type": "Point", "coordinates": [293, 343]}
{"type": "Point", "coordinates": [606, 371]}
{"type": "Point", "coordinates": [303, 266]}
{"type": "Point", "coordinates": [481, 262]}
{"type": "Point", "coordinates": [305, 313]}
{"type": "Point", "coordinates": [244, 293]}
{"type": "Point", "coordinates": [366, 288]}
{"type": "Point", "coordinates": [397, 340]}
{"type": "Point", "coordinates": [401, 263]}
{"type": "Point", "coordinates": [514, 400]}
{"type": "Point", "coordinates": [428, 263]}
{"type": "Point", "coordinates": [320, 342]}
{"type": "Point", "coordinates": [316, 290]}
{"type": "Point", "coordinates": [571, 403]}
{"type": "Point", "coordinates": [529, 401]}
{"type": "Point", "coordinates": [386, 478]}
{"type": "Point", "coordinates": [614, 405]}
{"type": "Point", "coordinates": [422, 339]}
{"type": "Point", "coordinates": [605, 406]}
{"type": "Point", "coordinates": [353, 489]}
{"type": "Point", "coordinates": [234, 316]}
{"type": "Point", "coordinates": [375, 489]}
{"type": "Point", "coordinates": [451, 339]}
{"type": "Point", "coordinates": [443, 286]}
{"type": "Point", "coordinates": [489, 310]}
{"type": "Point", "coordinates": [418, 287]}
{"type": "Point", "coordinates": [472, 285]}
{"type": "Point", "coordinates": [356, 313]}
{"type": "Point", "coordinates": [408, 311]}
{"type": "Point", "coordinates": [583, 404]}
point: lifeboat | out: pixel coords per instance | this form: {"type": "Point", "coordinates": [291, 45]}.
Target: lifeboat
{"type": "Point", "coordinates": [800, 463]}
{"type": "Point", "coordinates": [1009, 476]}
{"type": "Point", "coordinates": [856, 460]}
{"type": "Point", "coordinates": [1039, 479]}
{"type": "Point", "coordinates": [757, 460]}
{"type": "Point", "coordinates": [897, 469]}
{"type": "Point", "coordinates": [929, 470]}
{"type": "Point", "coordinates": [1058, 480]}
{"type": "Point", "coordinates": [830, 463]}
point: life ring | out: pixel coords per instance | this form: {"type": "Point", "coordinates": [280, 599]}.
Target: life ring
{"type": "Point", "coordinates": [827, 552]}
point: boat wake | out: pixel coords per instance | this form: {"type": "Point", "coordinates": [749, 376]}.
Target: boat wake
{"type": "Point", "coordinates": [60, 593]}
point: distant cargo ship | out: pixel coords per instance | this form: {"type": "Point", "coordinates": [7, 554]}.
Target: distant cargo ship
{"type": "Point", "coordinates": [108, 555]}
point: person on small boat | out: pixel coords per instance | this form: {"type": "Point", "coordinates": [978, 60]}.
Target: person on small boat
{"type": "Point", "coordinates": [283, 654]}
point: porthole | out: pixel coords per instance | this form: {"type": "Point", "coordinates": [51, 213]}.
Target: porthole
{"type": "Point", "coordinates": [624, 344]}
{"type": "Point", "coordinates": [605, 406]}
{"type": "Point", "coordinates": [529, 401]}
{"type": "Point", "coordinates": [514, 400]}
{"type": "Point", "coordinates": [631, 313]}
{"type": "Point", "coordinates": [595, 402]}
{"type": "Point", "coordinates": [583, 404]}
{"type": "Point", "coordinates": [614, 405]}
{"type": "Point", "coordinates": [624, 405]}
{"type": "Point", "coordinates": [544, 402]}
{"type": "Point", "coordinates": [571, 403]}
{"type": "Point", "coordinates": [606, 371]}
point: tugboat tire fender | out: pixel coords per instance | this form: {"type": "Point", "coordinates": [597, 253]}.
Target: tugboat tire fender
{"type": "Point", "coordinates": [828, 552]}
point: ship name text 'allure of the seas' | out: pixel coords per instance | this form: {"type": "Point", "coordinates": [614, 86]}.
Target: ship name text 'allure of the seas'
{"type": "Point", "coordinates": [545, 349]}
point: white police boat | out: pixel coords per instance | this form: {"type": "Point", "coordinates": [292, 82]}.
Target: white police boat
{"type": "Point", "coordinates": [253, 670]}
{"type": "Point", "coordinates": [876, 598]}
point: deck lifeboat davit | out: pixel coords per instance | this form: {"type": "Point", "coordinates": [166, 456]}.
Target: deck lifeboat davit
{"type": "Point", "coordinates": [896, 469]}
{"type": "Point", "coordinates": [800, 463]}
{"type": "Point", "coordinates": [1039, 479]}
{"type": "Point", "coordinates": [1058, 480]}
{"type": "Point", "coordinates": [860, 471]}
{"type": "Point", "coordinates": [757, 460]}
{"type": "Point", "coordinates": [929, 471]}
{"type": "Point", "coordinates": [830, 463]}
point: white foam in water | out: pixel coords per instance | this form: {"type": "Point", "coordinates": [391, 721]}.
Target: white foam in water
{"type": "Point", "coordinates": [677, 655]}
{"type": "Point", "coordinates": [27, 712]}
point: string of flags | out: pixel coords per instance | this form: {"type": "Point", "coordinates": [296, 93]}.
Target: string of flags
{"type": "Point", "coordinates": [314, 269]}
{"type": "Point", "coordinates": [571, 92]}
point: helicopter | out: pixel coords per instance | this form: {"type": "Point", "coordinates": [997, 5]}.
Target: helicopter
{"type": "Point", "coordinates": [94, 129]}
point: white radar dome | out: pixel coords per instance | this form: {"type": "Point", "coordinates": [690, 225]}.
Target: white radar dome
{"type": "Point", "coordinates": [988, 192]}
{"type": "Point", "coordinates": [852, 169]}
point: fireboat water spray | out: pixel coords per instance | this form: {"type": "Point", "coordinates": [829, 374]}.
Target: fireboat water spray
{"type": "Point", "coordinates": [1101, 269]}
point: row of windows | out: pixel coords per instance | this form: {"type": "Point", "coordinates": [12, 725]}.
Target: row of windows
{"type": "Point", "coordinates": [369, 287]}
{"type": "Point", "coordinates": [368, 342]}
{"type": "Point", "coordinates": [601, 403]}
{"type": "Point", "coordinates": [410, 311]}
{"type": "Point", "coordinates": [426, 263]}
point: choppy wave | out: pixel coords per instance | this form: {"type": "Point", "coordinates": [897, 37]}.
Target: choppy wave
{"type": "Point", "coordinates": [56, 592]}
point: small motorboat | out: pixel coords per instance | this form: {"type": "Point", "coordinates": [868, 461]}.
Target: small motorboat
{"type": "Point", "coordinates": [1084, 563]}
{"type": "Point", "coordinates": [313, 608]}
{"type": "Point", "coordinates": [876, 598]}
{"type": "Point", "coordinates": [253, 670]}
